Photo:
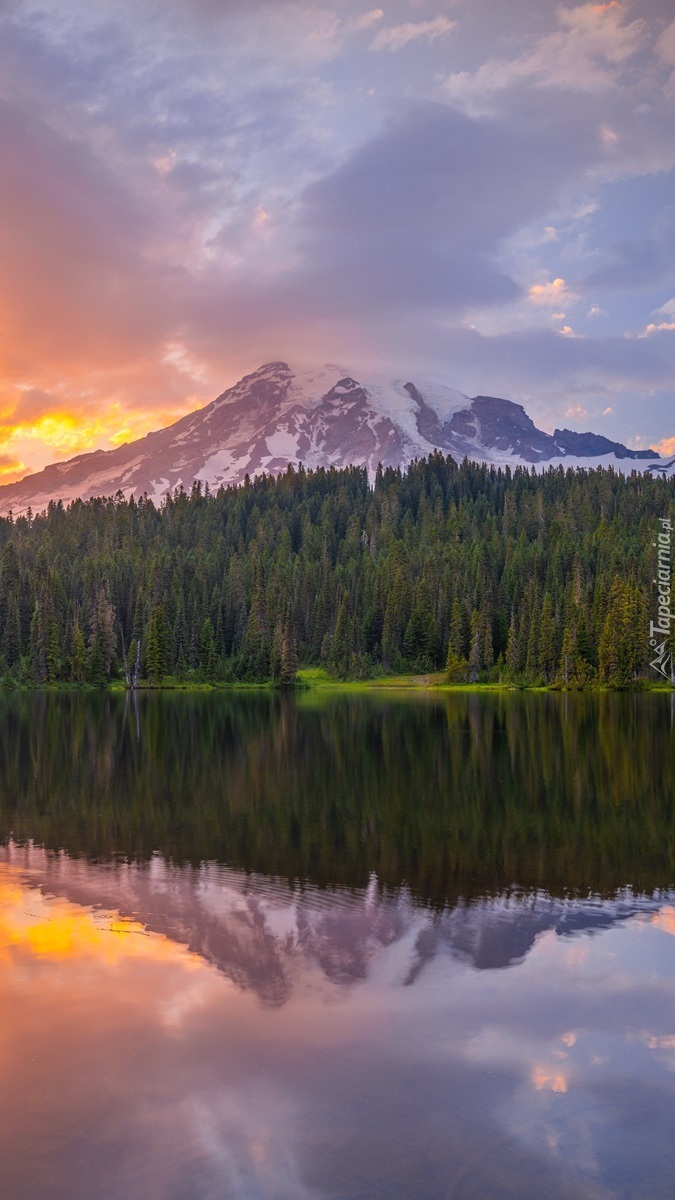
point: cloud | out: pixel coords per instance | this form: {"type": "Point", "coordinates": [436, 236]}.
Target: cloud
{"type": "Point", "coordinates": [365, 21]}
{"type": "Point", "coordinates": [398, 36]}
{"type": "Point", "coordinates": [551, 294]}
{"type": "Point", "coordinates": [75, 250]}
{"type": "Point", "coordinates": [550, 1078]}
{"type": "Point", "coordinates": [640, 262]}
{"type": "Point", "coordinates": [194, 188]}
{"type": "Point", "coordinates": [665, 45]}
{"type": "Point", "coordinates": [11, 468]}
{"type": "Point", "coordinates": [592, 42]}
{"type": "Point", "coordinates": [661, 327]}
{"type": "Point", "coordinates": [415, 217]}
{"type": "Point", "coordinates": [327, 35]}
{"type": "Point", "coordinates": [543, 370]}
{"type": "Point", "coordinates": [131, 172]}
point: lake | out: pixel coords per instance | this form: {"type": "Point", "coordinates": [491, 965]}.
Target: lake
{"type": "Point", "coordinates": [269, 947]}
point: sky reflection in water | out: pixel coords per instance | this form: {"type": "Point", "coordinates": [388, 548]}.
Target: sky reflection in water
{"type": "Point", "coordinates": [197, 1032]}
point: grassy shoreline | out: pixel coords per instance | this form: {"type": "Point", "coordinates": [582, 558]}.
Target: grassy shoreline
{"type": "Point", "coordinates": [318, 679]}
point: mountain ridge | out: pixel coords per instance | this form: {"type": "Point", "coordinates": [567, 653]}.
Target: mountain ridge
{"type": "Point", "coordinates": [320, 416]}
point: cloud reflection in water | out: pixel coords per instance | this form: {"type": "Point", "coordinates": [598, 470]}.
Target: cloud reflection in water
{"type": "Point", "coordinates": [190, 1033]}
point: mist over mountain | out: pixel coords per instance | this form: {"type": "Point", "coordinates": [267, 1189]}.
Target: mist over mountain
{"type": "Point", "coordinates": [320, 417]}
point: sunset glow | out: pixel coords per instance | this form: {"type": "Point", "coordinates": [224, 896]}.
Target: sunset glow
{"type": "Point", "coordinates": [60, 433]}
{"type": "Point", "coordinates": [192, 190]}
{"type": "Point", "coordinates": [51, 928]}
{"type": "Point", "coordinates": [665, 919]}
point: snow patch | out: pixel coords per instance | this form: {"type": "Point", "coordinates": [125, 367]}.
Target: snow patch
{"type": "Point", "coordinates": [159, 489]}
{"type": "Point", "coordinates": [223, 462]}
{"type": "Point", "coordinates": [283, 444]}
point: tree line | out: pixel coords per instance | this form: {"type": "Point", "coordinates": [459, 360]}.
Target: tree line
{"type": "Point", "coordinates": [482, 572]}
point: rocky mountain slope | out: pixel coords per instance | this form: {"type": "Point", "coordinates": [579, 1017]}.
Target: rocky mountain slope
{"type": "Point", "coordinates": [320, 417]}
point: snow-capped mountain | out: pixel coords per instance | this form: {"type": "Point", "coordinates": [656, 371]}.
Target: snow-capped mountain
{"type": "Point", "coordinates": [319, 417]}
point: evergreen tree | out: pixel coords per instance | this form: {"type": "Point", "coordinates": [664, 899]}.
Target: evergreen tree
{"type": "Point", "coordinates": [155, 646]}
{"type": "Point", "coordinates": [11, 633]}
{"type": "Point", "coordinates": [547, 657]}
{"type": "Point", "coordinates": [208, 658]}
{"type": "Point", "coordinates": [102, 640]}
{"type": "Point", "coordinates": [78, 654]}
{"type": "Point", "coordinates": [289, 658]}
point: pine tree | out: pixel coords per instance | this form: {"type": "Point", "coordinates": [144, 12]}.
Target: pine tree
{"type": "Point", "coordinates": [78, 654]}
{"type": "Point", "coordinates": [617, 649]}
{"type": "Point", "coordinates": [208, 659]}
{"type": "Point", "coordinates": [569, 657]}
{"type": "Point", "coordinates": [289, 658]}
{"type": "Point", "coordinates": [476, 651]}
{"type": "Point", "coordinates": [38, 643]}
{"type": "Point", "coordinates": [547, 657]}
{"type": "Point", "coordinates": [512, 655]}
{"type": "Point", "coordinates": [341, 644]}
{"type": "Point", "coordinates": [155, 646]}
{"type": "Point", "coordinates": [11, 634]}
{"type": "Point", "coordinates": [102, 640]}
{"type": "Point", "coordinates": [457, 636]}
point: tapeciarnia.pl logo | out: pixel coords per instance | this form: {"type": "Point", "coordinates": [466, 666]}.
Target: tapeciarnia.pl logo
{"type": "Point", "coordinates": [659, 630]}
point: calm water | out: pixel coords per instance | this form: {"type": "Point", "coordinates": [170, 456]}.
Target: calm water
{"type": "Point", "coordinates": [351, 948]}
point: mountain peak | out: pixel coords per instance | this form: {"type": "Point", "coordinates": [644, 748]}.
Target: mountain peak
{"type": "Point", "coordinates": [271, 369]}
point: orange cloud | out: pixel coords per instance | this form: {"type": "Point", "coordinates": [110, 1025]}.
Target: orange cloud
{"type": "Point", "coordinates": [661, 327]}
{"type": "Point", "coordinates": [548, 1078]}
{"type": "Point", "coordinates": [39, 425]}
{"type": "Point", "coordinates": [554, 293]}
{"type": "Point", "coordinates": [11, 468]}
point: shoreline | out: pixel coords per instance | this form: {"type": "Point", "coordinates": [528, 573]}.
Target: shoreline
{"type": "Point", "coordinates": [316, 679]}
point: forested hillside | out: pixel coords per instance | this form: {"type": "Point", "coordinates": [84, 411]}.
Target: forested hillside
{"type": "Point", "coordinates": [534, 578]}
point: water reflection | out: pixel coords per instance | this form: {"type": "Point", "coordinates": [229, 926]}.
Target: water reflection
{"type": "Point", "coordinates": [456, 797]}
{"type": "Point", "coordinates": [222, 1035]}
{"type": "Point", "coordinates": [257, 931]}
{"type": "Point", "coordinates": [280, 950]}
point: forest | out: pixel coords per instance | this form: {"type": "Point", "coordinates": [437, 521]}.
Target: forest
{"type": "Point", "coordinates": [486, 574]}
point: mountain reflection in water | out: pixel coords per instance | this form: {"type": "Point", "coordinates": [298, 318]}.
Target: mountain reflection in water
{"type": "Point", "coordinates": [268, 949]}
{"type": "Point", "coordinates": [256, 931]}
{"type": "Point", "coordinates": [191, 1032]}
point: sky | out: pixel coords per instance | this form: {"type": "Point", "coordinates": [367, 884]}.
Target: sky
{"type": "Point", "coordinates": [481, 190]}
